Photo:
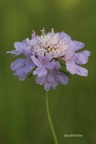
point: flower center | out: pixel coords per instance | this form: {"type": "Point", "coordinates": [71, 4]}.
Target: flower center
{"type": "Point", "coordinates": [43, 61]}
{"type": "Point", "coordinates": [53, 45]}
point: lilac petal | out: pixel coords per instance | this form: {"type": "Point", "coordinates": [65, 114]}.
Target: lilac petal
{"type": "Point", "coordinates": [50, 85]}
{"type": "Point", "coordinates": [19, 46]}
{"type": "Point", "coordinates": [22, 48]}
{"type": "Point", "coordinates": [40, 80]}
{"type": "Point", "coordinates": [26, 42]}
{"type": "Point", "coordinates": [21, 74]}
{"type": "Point", "coordinates": [82, 57]}
{"type": "Point", "coordinates": [27, 52]}
{"type": "Point", "coordinates": [50, 82]}
{"type": "Point", "coordinates": [68, 55]}
{"type": "Point", "coordinates": [35, 61]}
{"type": "Point", "coordinates": [18, 63]}
{"type": "Point", "coordinates": [14, 52]}
{"type": "Point", "coordinates": [50, 65]}
{"type": "Point", "coordinates": [22, 70]}
{"type": "Point", "coordinates": [57, 65]}
{"type": "Point", "coordinates": [75, 69]}
{"type": "Point", "coordinates": [28, 67]}
{"type": "Point", "coordinates": [61, 77]}
{"type": "Point", "coordinates": [76, 45]}
{"type": "Point", "coordinates": [64, 36]}
{"type": "Point", "coordinates": [40, 71]}
{"type": "Point", "coordinates": [48, 57]}
{"type": "Point", "coordinates": [41, 56]}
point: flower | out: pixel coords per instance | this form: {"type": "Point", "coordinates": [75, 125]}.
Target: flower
{"type": "Point", "coordinates": [72, 59]}
{"type": "Point", "coordinates": [23, 47]}
{"type": "Point", "coordinates": [45, 55]}
{"type": "Point", "coordinates": [51, 79]}
{"type": "Point", "coordinates": [43, 64]}
{"type": "Point", "coordinates": [22, 67]}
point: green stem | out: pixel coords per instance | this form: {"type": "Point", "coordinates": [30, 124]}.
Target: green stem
{"type": "Point", "coordinates": [49, 118]}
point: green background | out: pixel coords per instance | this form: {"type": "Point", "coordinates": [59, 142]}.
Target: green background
{"type": "Point", "coordinates": [23, 118]}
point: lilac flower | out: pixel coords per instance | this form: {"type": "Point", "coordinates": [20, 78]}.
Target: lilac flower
{"type": "Point", "coordinates": [22, 67]}
{"type": "Point", "coordinates": [42, 56]}
{"type": "Point", "coordinates": [23, 47]}
{"type": "Point", "coordinates": [52, 79]}
{"type": "Point", "coordinates": [44, 63]}
{"type": "Point", "coordinates": [72, 59]}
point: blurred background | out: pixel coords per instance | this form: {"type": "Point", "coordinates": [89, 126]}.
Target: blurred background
{"type": "Point", "coordinates": [23, 118]}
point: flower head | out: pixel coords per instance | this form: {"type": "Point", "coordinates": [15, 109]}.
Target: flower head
{"type": "Point", "coordinates": [43, 55]}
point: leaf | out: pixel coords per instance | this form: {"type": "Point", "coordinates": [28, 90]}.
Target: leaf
{"type": "Point", "coordinates": [66, 73]}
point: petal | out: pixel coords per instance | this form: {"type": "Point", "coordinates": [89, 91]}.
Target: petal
{"type": "Point", "coordinates": [18, 63]}
{"type": "Point", "coordinates": [50, 65]}
{"type": "Point", "coordinates": [14, 52]}
{"type": "Point", "coordinates": [28, 67]}
{"type": "Point", "coordinates": [64, 36]}
{"type": "Point", "coordinates": [23, 70]}
{"type": "Point", "coordinates": [68, 55]}
{"type": "Point", "coordinates": [61, 77]}
{"type": "Point", "coordinates": [21, 74]}
{"type": "Point", "coordinates": [26, 42]}
{"type": "Point", "coordinates": [75, 69]}
{"type": "Point", "coordinates": [40, 71]}
{"type": "Point", "coordinates": [23, 47]}
{"type": "Point", "coordinates": [35, 61]}
{"type": "Point", "coordinates": [50, 85]}
{"type": "Point", "coordinates": [27, 52]}
{"type": "Point", "coordinates": [40, 80]}
{"type": "Point", "coordinates": [51, 81]}
{"type": "Point", "coordinates": [19, 46]}
{"type": "Point", "coordinates": [57, 65]}
{"type": "Point", "coordinates": [41, 56]}
{"type": "Point", "coordinates": [82, 57]}
{"type": "Point", "coordinates": [48, 57]}
{"type": "Point", "coordinates": [76, 45]}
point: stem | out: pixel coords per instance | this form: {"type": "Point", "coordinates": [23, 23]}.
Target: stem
{"type": "Point", "coordinates": [49, 118]}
